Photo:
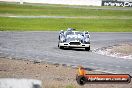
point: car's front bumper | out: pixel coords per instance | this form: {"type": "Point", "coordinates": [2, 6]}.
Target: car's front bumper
{"type": "Point", "coordinates": [81, 45]}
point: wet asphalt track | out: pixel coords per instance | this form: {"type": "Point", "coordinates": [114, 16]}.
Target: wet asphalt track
{"type": "Point", "coordinates": [43, 46]}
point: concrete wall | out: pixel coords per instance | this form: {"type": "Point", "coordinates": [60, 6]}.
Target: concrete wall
{"type": "Point", "coordinates": [68, 2]}
{"type": "Point", "coordinates": [20, 83]}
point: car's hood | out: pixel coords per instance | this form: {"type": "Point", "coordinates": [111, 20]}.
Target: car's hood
{"type": "Point", "coordinates": [74, 38]}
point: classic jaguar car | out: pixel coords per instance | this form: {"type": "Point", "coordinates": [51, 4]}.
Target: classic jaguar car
{"type": "Point", "coordinates": [74, 39]}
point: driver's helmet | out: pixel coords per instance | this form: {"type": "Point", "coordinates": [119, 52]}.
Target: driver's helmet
{"type": "Point", "coordinates": [70, 29]}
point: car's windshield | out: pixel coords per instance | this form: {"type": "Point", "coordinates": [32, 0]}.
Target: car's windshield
{"type": "Point", "coordinates": [73, 33]}
{"type": "Point", "coordinates": [69, 33]}
{"type": "Point", "coordinates": [78, 33]}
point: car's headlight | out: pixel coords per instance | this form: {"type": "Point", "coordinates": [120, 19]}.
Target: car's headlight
{"type": "Point", "coordinates": [62, 39]}
{"type": "Point", "coordinates": [87, 41]}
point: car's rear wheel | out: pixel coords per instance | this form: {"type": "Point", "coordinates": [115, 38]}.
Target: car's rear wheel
{"type": "Point", "coordinates": [87, 48]}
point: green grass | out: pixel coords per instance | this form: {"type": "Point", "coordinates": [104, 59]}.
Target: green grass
{"type": "Point", "coordinates": [99, 24]}
{"type": "Point", "coordinates": [59, 10]}
{"type": "Point", "coordinates": [54, 24]}
{"type": "Point", "coordinates": [70, 86]}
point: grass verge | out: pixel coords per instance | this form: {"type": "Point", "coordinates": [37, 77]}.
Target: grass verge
{"type": "Point", "coordinates": [55, 24]}
{"type": "Point", "coordinates": [100, 24]}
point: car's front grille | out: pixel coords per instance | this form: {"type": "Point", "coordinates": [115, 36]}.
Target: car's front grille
{"type": "Point", "coordinates": [74, 43]}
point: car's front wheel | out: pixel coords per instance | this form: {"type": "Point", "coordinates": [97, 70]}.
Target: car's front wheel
{"type": "Point", "coordinates": [87, 48]}
{"type": "Point", "coordinates": [61, 47]}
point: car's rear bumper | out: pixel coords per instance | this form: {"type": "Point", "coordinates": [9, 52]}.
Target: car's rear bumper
{"type": "Point", "coordinates": [74, 46]}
